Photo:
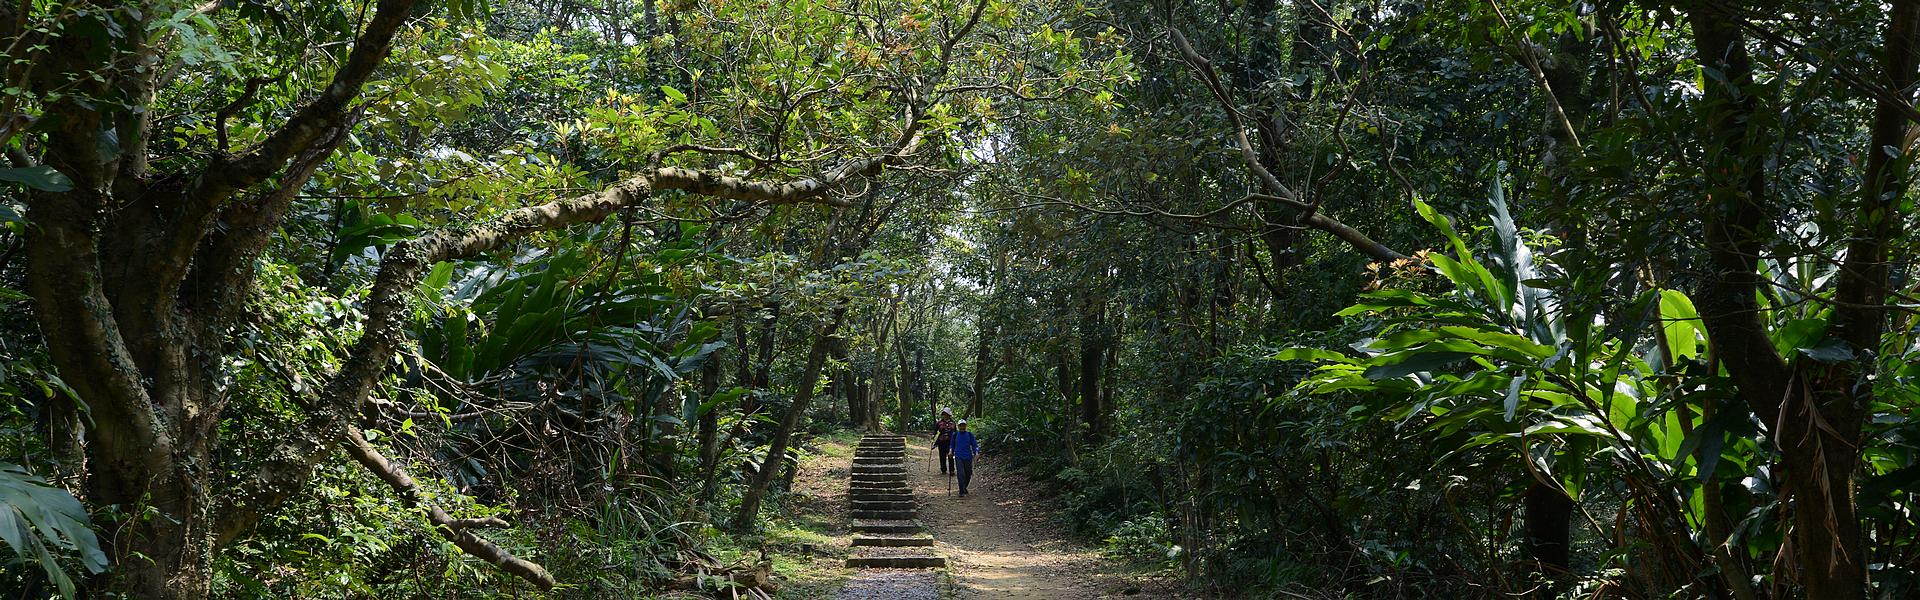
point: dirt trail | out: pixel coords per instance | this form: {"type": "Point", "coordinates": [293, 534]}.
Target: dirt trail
{"type": "Point", "coordinates": [1001, 541]}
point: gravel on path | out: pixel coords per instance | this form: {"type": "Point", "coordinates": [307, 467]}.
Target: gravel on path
{"type": "Point", "coordinates": [892, 584]}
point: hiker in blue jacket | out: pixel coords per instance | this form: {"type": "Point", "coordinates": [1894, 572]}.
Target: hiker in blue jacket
{"type": "Point", "coordinates": [965, 447]}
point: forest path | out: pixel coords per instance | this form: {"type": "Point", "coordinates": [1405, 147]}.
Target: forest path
{"type": "Point", "coordinates": [1001, 541]}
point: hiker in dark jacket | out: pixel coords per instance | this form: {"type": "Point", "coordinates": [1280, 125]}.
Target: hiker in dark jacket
{"type": "Point", "coordinates": [943, 437]}
{"type": "Point", "coordinates": [965, 447]}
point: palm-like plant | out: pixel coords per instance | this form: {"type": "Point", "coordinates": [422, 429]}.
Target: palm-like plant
{"type": "Point", "coordinates": [1501, 368]}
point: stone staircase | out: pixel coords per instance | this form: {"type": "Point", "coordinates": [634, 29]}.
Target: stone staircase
{"type": "Point", "coordinates": [885, 534]}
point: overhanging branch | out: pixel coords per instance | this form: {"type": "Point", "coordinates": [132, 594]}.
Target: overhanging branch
{"type": "Point", "coordinates": [407, 262]}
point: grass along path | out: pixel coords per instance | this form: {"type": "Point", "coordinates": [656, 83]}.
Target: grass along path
{"type": "Point", "coordinates": [806, 537]}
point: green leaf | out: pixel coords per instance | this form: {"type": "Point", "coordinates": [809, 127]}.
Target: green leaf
{"type": "Point", "coordinates": [1680, 324]}
{"type": "Point", "coordinates": [1418, 362]}
{"type": "Point", "coordinates": [1799, 333]}
{"type": "Point", "coordinates": [37, 519]}
{"type": "Point", "coordinates": [43, 178]}
{"type": "Point", "coordinates": [439, 277]}
{"type": "Point", "coordinates": [673, 93]}
{"type": "Point", "coordinates": [1572, 425]}
{"type": "Point", "coordinates": [1830, 351]}
{"type": "Point", "coordinates": [1512, 403]}
{"type": "Point", "coordinates": [1310, 355]}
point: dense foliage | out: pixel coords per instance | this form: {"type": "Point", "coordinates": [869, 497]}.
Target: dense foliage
{"type": "Point", "coordinates": [1376, 298]}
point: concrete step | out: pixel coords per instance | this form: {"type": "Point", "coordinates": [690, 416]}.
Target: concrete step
{"type": "Point", "coordinates": [889, 557]}
{"type": "Point", "coordinates": [897, 562]}
{"type": "Point", "coordinates": [879, 477]}
{"type": "Point", "coordinates": [899, 502]}
{"type": "Point", "coordinates": [892, 540]}
{"type": "Point", "coordinates": [886, 515]}
{"type": "Point", "coordinates": [879, 469]}
{"type": "Point", "coordinates": [881, 489]}
{"type": "Point", "coordinates": [880, 494]}
{"type": "Point", "coordinates": [859, 504]}
{"type": "Point", "coordinates": [886, 526]}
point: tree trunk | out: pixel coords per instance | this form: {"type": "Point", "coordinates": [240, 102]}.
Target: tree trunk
{"type": "Point", "coordinates": [902, 392]}
{"type": "Point", "coordinates": [1816, 409]}
{"type": "Point", "coordinates": [849, 392]}
{"type": "Point", "coordinates": [709, 427]}
{"type": "Point", "coordinates": [880, 375]}
{"type": "Point", "coordinates": [857, 395]}
{"type": "Point", "coordinates": [783, 434]}
{"type": "Point", "coordinates": [1548, 528]}
{"type": "Point", "coordinates": [982, 368]}
{"type": "Point", "coordinates": [1107, 373]}
{"type": "Point", "coordinates": [1093, 353]}
{"type": "Point", "coordinates": [841, 386]}
{"type": "Point", "coordinates": [872, 388]}
{"type": "Point", "coordinates": [1068, 388]}
{"type": "Point", "coordinates": [168, 553]}
{"type": "Point", "coordinates": [763, 375]}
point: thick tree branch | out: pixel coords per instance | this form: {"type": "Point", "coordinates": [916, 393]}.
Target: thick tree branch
{"type": "Point", "coordinates": [223, 267]}
{"type": "Point", "coordinates": [458, 531]}
{"type": "Point", "coordinates": [283, 473]}
{"type": "Point", "coordinates": [204, 193]}
{"type": "Point", "coordinates": [1353, 237]}
{"type": "Point", "coordinates": [165, 236]}
{"type": "Point", "coordinates": [77, 322]}
{"type": "Point", "coordinates": [311, 122]}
